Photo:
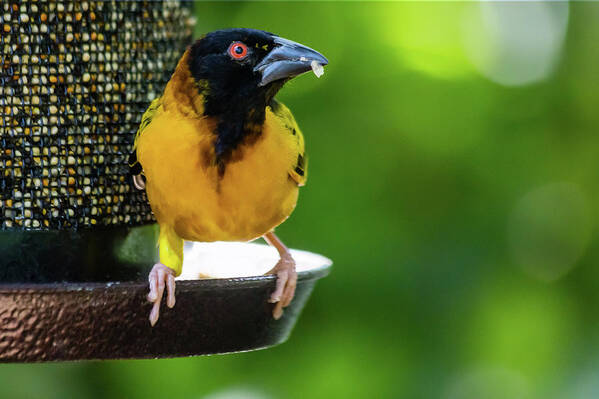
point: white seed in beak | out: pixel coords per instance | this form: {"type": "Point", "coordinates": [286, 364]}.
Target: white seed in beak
{"type": "Point", "coordinates": [317, 69]}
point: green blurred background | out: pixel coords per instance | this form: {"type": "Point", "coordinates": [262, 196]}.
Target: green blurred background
{"type": "Point", "coordinates": [454, 181]}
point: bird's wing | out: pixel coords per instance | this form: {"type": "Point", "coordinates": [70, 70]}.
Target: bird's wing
{"type": "Point", "coordinates": [134, 166]}
{"type": "Point", "coordinates": [298, 170]}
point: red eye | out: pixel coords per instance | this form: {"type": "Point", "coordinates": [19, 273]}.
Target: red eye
{"type": "Point", "coordinates": [238, 50]}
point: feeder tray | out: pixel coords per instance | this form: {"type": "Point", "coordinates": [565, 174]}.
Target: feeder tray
{"type": "Point", "coordinates": [74, 321]}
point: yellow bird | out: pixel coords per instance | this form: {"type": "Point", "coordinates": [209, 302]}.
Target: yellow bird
{"type": "Point", "coordinates": [220, 159]}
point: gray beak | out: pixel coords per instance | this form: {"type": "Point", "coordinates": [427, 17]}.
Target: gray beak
{"type": "Point", "coordinates": [287, 60]}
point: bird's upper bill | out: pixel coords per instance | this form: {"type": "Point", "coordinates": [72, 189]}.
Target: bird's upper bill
{"type": "Point", "coordinates": [289, 59]}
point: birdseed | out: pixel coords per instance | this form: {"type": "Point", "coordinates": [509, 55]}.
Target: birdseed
{"type": "Point", "coordinates": [75, 79]}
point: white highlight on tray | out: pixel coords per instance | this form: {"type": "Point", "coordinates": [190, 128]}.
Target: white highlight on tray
{"type": "Point", "coordinates": [235, 259]}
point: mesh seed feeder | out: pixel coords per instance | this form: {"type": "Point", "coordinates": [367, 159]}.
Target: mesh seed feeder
{"type": "Point", "coordinates": [76, 238]}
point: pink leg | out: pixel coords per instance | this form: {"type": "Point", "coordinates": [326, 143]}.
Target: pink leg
{"type": "Point", "coordinates": [286, 276]}
{"type": "Point", "coordinates": [160, 276]}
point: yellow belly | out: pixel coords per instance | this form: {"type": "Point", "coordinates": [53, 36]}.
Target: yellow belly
{"type": "Point", "coordinates": [185, 191]}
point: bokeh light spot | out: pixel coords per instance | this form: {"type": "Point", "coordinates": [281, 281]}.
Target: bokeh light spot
{"type": "Point", "coordinates": [549, 230]}
{"type": "Point", "coordinates": [238, 393]}
{"type": "Point", "coordinates": [489, 383]}
{"type": "Point", "coordinates": [427, 38]}
{"type": "Point", "coordinates": [515, 43]}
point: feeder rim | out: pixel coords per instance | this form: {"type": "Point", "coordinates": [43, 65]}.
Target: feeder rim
{"type": "Point", "coordinates": [208, 283]}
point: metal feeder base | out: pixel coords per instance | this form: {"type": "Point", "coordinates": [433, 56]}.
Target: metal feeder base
{"type": "Point", "coordinates": [74, 321]}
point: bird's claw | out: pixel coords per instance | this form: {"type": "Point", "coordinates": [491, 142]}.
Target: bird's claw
{"type": "Point", "coordinates": [159, 277]}
{"type": "Point", "coordinates": [286, 283]}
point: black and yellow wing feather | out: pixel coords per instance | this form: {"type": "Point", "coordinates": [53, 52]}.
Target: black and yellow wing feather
{"type": "Point", "coordinates": [135, 167]}
{"type": "Point", "coordinates": [299, 170]}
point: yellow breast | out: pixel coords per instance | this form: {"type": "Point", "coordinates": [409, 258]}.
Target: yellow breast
{"type": "Point", "coordinates": [185, 190]}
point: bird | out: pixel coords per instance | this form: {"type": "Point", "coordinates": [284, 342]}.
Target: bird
{"type": "Point", "coordinates": [220, 159]}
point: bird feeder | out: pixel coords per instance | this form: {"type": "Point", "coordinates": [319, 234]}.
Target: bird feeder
{"type": "Point", "coordinates": [76, 238]}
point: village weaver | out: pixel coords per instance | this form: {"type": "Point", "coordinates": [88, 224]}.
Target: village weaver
{"type": "Point", "coordinates": [220, 159]}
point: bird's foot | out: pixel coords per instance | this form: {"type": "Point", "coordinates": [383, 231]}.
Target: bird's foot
{"type": "Point", "coordinates": [159, 277]}
{"type": "Point", "coordinates": [286, 282]}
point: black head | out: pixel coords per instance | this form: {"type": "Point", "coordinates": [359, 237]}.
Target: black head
{"type": "Point", "coordinates": [235, 66]}
{"type": "Point", "coordinates": [238, 71]}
